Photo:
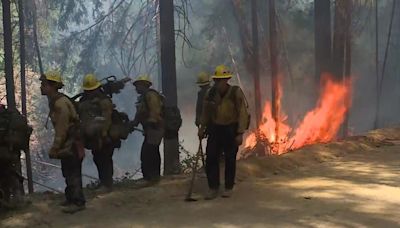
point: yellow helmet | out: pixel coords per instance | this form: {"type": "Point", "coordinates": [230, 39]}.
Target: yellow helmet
{"type": "Point", "coordinates": [54, 76]}
{"type": "Point", "coordinates": [90, 82]}
{"type": "Point", "coordinates": [222, 72]}
{"type": "Point", "coordinates": [203, 79]}
{"type": "Point", "coordinates": [143, 78]}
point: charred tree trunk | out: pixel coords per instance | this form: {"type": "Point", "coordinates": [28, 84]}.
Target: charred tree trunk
{"type": "Point", "coordinates": [323, 38]}
{"type": "Point", "coordinates": [21, 18]}
{"type": "Point", "coordinates": [376, 65]}
{"type": "Point", "coordinates": [244, 32]}
{"type": "Point", "coordinates": [35, 37]}
{"type": "Point", "coordinates": [256, 62]}
{"type": "Point", "coordinates": [168, 70]}
{"type": "Point", "coordinates": [339, 39]}
{"type": "Point", "coordinates": [341, 60]}
{"type": "Point", "coordinates": [348, 56]}
{"type": "Point", "coordinates": [157, 21]}
{"type": "Point", "coordinates": [8, 55]}
{"type": "Point", "coordinates": [273, 48]}
{"type": "Point", "coordinates": [380, 84]}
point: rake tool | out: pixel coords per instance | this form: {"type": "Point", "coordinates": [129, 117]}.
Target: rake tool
{"type": "Point", "coordinates": [199, 154]}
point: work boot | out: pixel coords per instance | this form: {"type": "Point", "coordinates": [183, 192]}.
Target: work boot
{"type": "Point", "coordinates": [212, 194]}
{"type": "Point", "coordinates": [73, 208]}
{"type": "Point", "coordinates": [93, 186]}
{"type": "Point", "coordinates": [103, 190]}
{"type": "Point", "coordinates": [65, 203]}
{"type": "Point", "coordinates": [227, 193]}
{"type": "Point", "coordinates": [143, 183]}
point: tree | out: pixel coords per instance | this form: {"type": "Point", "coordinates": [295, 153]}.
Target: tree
{"type": "Point", "coordinates": [341, 53]}
{"type": "Point", "coordinates": [273, 48]}
{"type": "Point", "coordinates": [339, 40]}
{"type": "Point", "coordinates": [8, 54]}
{"type": "Point", "coordinates": [250, 48]}
{"type": "Point", "coordinates": [256, 61]}
{"type": "Point", "coordinates": [382, 77]}
{"type": "Point", "coordinates": [169, 86]}
{"type": "Point", "coordinates": [348, 56]}
{"type": "Point", "coordinates": [21, 20]}
{"type": "Point", "coordinates": [322, 35]}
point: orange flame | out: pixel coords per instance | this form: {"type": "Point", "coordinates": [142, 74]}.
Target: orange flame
{"type": "Point", "coordinates": [320, 125]}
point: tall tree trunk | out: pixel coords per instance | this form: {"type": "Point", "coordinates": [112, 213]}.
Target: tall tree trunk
{"type": "Point", "coordinates": [168, 69]}
{"type": "Point", "coordinates": [323, 38]}
{"type": "Point", "coordinates": [273, 48]}
{"type": "Point", "coordinates": [348, 56]}
{"type": "Point", "coordinates": [380, 84]}
{"type": "Point", "coordinates": [35, 37]}
{"type": "Point", "coordinates": [21, 18]}
{"type": "Point", "coordinates": [256, 61]}
{"type": "Point", "coordinates": [8, 55]}
{"type": "Point", "coordinates": [157, 21]}
{"type": "Point", "coordinates": [376, 65]}
{"type": "Point", "coordinates": [244, 32]}
{"type": "Point", "coordinates": [339, 39]}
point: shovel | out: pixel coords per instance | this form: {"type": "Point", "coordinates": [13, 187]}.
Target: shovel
{"type": "Point", "coordinates": [189, 197]}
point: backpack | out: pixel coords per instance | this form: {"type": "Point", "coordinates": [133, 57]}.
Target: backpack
{"type": "Point", "coordinates": [90, 114]}
{"type": "Point", "coordinates": [14, 130]}
{"type": "Point", "coordinates": [212, 92]}
{"type": "Point", "coordinates": [171, 116]}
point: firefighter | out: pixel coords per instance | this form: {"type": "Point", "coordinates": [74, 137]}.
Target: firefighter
{"type": "Point", "coordinates": [96, 108]}
{"type": "Point", "coordinates": [66, 146]}
{"type": "Point", "coordinates": [14, 137]}
{"type": "Point", "coordinates": [203, 81]}
{"type": "Point", "coordinates": [224, 120]}
{"type": "Point", "coordinates": [149, 115]}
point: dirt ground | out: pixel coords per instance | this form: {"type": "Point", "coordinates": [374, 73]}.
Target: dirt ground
{"type": "Point", "coordinates": [352, 183]}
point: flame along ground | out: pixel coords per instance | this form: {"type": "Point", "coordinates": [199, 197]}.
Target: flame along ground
{"type": "Point", "coordinates": [319, 125]}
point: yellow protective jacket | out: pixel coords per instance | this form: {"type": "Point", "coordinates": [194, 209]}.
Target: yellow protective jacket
{"type": "Point", "coordinates": [228, 109]}
{"type": "Point", "coordinates": [107, 108]}
{"type": "Point", "coordinates": [199, 104]}
{"type": "Point", "coordinates": [63, 116]}
{"type": "Point", "coordinates": [149, 108]}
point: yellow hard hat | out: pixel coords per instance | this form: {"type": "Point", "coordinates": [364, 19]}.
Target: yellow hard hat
{"type": "Point", "coordinates": [53, 75]}
{"type": "Point", "coordinates": [222, 72]}
{"type": "Point", "coordinates": [203, 79]}
{"type": "Point", "coordinates": [90, 82]}
{"type": "Point", "coordinates": [143, 78]}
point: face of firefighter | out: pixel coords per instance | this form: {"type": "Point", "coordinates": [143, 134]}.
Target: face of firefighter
{"type": "Point", "coordinates": [141, 87]}
{"type": "Point", "coordinates": [221, 85]}
{"type": "Point", "coordinates": [47, 88]}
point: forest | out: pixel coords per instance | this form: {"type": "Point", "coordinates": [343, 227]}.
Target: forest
{"type": "Point", "coordinates": [313, 72]}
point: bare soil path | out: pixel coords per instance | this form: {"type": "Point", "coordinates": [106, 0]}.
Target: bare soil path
{"type": "Point", "coordinates": [353, 183]}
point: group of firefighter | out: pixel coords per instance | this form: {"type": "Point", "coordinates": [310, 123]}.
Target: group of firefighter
{"type": "Point", "coordinates": [222, 116]}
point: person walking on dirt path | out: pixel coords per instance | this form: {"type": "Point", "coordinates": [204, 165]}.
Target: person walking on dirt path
{"type": "Point", "coordinates": [95, 110]}
{"type": "Point", "coordinates": [66, 145]}
{"type": "Point", "coordinates": [224, 120]}
{"type": "Point", "coordinates": [149, 115]}
{"type": "Point", "coordinates": [203, 81]}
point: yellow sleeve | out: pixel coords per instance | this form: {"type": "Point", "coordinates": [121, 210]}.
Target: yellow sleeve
{"type": "Point", "coordinates": [242, 109]}
{"type": "Point", "coordinates": [154, 106]}
{"type": "Point", "coordinates": [106, 109]}
{"type": "Point", "coordinates": [205, 113]}
{"type": "Point", "coordinates": [62, 123]}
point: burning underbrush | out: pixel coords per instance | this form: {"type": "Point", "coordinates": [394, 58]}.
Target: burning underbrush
{"type": "Point", "coordinates": [320, 125]}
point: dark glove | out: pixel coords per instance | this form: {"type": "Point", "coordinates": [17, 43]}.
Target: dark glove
{"type": "Point", "coordinates": [53, 154]}
{"type": "Point", "coordinates": [132, 125]}
{"type": "Point", "coordinates": [152, 125]}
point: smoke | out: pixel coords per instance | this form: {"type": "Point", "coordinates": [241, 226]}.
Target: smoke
{"type": "Point", "coordinates": [215, 38]}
